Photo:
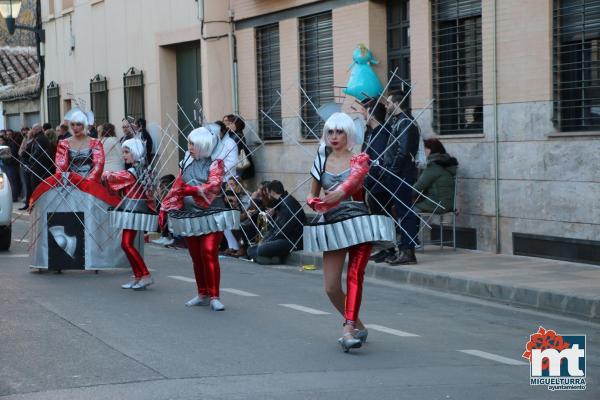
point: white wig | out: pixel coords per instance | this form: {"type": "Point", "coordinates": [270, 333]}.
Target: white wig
{"type": "Point", "coordinates": [204, 141]}
{"type": "Point", "coordinates": [215, 129]}
{"type": "Point", "coordinates": [343, 122]}
{"type": "Point", "coordinates": [78, 117]}
{"type": "Point", "coordinates": [136, 148]}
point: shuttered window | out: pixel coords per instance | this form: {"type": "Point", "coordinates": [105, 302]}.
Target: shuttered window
{"type": "Point", "coordinates": [133, 88]}
{"type": "Point", "coordinates": [457, 66]}
{"type": "Point", "coordinates": [576, 69]}
{"type": "Point", "coordinates": [53, 98]}
{"type": "Point", "coordinates": [99, 99]}
{"type": "Point", "coordinates": [268, 81]}
{"type": "Point", "coordinates": [398, 40]}
{"type": "Point", "coordinates": [316, 69]}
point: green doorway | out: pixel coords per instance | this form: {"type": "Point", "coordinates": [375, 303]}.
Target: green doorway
{"type": "Point", "coordinates": [189, 89]}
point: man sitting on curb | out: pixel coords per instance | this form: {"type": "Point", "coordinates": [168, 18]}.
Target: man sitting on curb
{"type": "Point", "coordinates": [284, 236]}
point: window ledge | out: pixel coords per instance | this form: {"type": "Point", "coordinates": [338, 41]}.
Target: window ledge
{"type": "Point", "coordinates": [271, 141]}
{"type": "Point", "coordinates": [67, 11]}
{"type": "Point", "coordinates": [93, 2]}
{"type": "Point", "coordinates": [461, 136]}
{"type": "Point", "coordinates": [573, 134]}
{"type": "Point", "coordinates": [49, 18]}
{"type": "Point", "coordinates": [304, 140]}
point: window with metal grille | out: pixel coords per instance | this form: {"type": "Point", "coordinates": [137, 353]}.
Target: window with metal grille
{"type": "Point", "coordinates": [457, 72]}
{"type": "Point", "coordinates": [269, 81]}
{"type": "Point", "coordinates": [99, 98]}
{"type": "Point", "coordinates": [53, 98]}
{"type": "Point", "coordinates": [398, 41]}
{"type": "Point", "coordinates": [316, 69]}
{"type": "Point", "coordinates": [133, 84]}
{"type": "Point", "coordinates": [576, 65]}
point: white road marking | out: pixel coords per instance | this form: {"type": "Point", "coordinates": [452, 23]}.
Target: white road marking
{"type": "Point", "coordinates": [228, 290]}
{"type": "Point", "coordinates": [238, 292]}
{"type": "Point", "coordinates": [21, 240]}
{"type": "Point", "coordinates": [391, 331]}
{"type": "Point", "coordinates": [304, 309]}
{"type": "Point", "coordinates": [14, 255]}
{"type": "Point", "coordinates": [182, 278]}
{"type": "Point", "coordinates": [493, 357]}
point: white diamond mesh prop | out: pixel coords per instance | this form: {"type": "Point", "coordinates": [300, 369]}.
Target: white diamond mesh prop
{"type": "Point", "coordinates": [385, 128]}
{"type": "Point", "coordinates": [310, 153]}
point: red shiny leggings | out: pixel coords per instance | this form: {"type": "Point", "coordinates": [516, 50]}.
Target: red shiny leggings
{"type": "Point", "coordinates": [135, 259]}
{"type": "Point", "coordinates": [204, 251]}
{"type": "Point", "coordinates": [358, 257]}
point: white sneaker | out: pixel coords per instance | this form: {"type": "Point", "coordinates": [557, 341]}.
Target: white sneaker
{"type": "Point", "coordinates": [216, 305]}
{"type": "Point", "coordinates": [131, 283]}
{"type": "Point", "coordinates": [160, 240]}
{"type": "Point", "coordinates": [168, 242]}
{"type": "Point", "coordinates": [198, 301]}
{"type": "Point", "coordinates": [143, 283]}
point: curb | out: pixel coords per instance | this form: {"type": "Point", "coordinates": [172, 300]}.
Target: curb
{"type": "Point", "coordinates": [580, 307]}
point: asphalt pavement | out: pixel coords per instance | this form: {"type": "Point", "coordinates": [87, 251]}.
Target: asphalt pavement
{"type": "Point", "coordinates": [78, 335]}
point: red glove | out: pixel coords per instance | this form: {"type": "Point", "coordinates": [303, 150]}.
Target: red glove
{"type": "Point", "coordinates": [318, 205]}
{"type": "Point", "coordinates": [189, 190]}
{"type": "Point", "coordinates": [162, 220]}
{"type": "Point", "coordinates": [312, 202]}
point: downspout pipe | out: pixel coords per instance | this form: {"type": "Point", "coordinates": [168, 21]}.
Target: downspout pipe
{"type": "Point", "coordinates": [234, 67]}
{"type": "Point", "coordinates": [496, 137]}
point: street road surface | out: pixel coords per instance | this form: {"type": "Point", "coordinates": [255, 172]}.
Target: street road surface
{"type": "Point", "coordinates": [78, 335]}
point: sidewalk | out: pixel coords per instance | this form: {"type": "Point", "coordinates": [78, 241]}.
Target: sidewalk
{"type": "Point", "coordinates": [547, 285]}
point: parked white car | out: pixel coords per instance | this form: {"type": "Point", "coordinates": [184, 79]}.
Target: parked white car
{"type": "Point", "coordinates": [5, 208]}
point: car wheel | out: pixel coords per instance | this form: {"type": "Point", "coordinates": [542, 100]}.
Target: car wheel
{"type": "Point", "coordinates": [5, 237]}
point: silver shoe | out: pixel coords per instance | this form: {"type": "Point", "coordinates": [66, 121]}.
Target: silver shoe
{"type": "Point", "coordinates": [216, 305]}
{"type": "Point", "coordinates": [143, 283]}
{"type": "Point", "coordinates": [131, 283]}
{"type": "Point", "coordinates": [349, 341]}
{"type": "Point", "coordinates": [198, 301]}
{"type": "Point", "coordinates": [362, 335]}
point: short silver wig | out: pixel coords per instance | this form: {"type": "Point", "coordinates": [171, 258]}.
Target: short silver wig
{"type": "Point", "coordinates": [136, 148]}
{"type": "Point", "coordinates": [204, 141]}
{"type": "Point", "coordinates": [343, 122]}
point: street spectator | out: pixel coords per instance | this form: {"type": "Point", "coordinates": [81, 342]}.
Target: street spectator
{"type": "Point", "coordinates": [41, 162]}
{"type": "Point", "coordinates": [140, 126]}
{"type": "Point", "coordinates": [376, 139]}
{"type": "Point", "coordinates": [112, 148]}
{"type": "Point", "coordinates": [226, 149]}
{"type": "Point", "coordinates": [401, 172]}
{"type": "Point", "coordinates": [46, 126]}
{"type": "Point", "coordinates": [25, 171]}
{"type": "Point", "coordinates": [232, 237]}
{"type": "Point", "coordinates": [285, 233]}
{"type": "Point", "coordinates": [245, 166]}
{"type": "Point", "coordinates": [4, 156]}
{"type": "Point", "coordinates": [12, 166]}
{"type": "Point", "coordinates": [92, 132]}
{"type": "Point", "coordinates": [63, 132]}
{"type": "Point", "coordinates": [164, 185]}
{"type": "Point", "coordinates": [53, 139]}
{"type": "Point", "coordinates": [437, 179]}
{"type": "Point", "coordinates": [235, 186]}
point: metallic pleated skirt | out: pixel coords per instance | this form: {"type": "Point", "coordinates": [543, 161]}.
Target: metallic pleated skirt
{"type": "Point", "coordinates": [136, 221]}
{"type": "Point", "coordinates": [202, 222]}
{"type": "Point", "coordinates": [329, 236]}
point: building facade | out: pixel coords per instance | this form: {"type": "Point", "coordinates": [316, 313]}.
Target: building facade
{"type": "Point", "coordinates": [508, 86]}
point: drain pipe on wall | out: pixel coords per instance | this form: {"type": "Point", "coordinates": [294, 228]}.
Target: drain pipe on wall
{"type": "Point", "coordinates": [496, 138]}
{"type": "Point", "coordinates": [234, 65]}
